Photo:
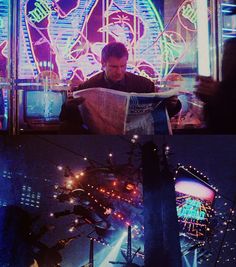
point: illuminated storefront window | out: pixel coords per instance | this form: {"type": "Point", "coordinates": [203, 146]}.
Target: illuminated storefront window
{"type": "Point", "coordinates": [194, 199]}
{"type": "Point", "coordinates": [60, 42]}
{"type": "Point", "coordinates": [4, 64]}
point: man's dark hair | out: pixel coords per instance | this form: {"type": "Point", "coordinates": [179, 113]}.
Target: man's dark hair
{"type": "Point", "coordinates": [114, 49]}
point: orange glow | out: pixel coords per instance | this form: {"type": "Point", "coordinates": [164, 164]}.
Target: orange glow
{"type": "Point", "coordinates": [130, 187]}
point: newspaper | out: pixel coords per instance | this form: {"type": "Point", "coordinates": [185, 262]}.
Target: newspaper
{"type": "Point", "coordinates": [106, 111]}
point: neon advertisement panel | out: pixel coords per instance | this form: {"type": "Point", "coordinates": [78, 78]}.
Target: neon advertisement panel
{"type": "Point", "coordinates": [62, 40]}
{"type": "Point", "coordinates": [194, 199]}
{"type": "Point", "coordinates": [72, 33]}
{"type": "Point", "coordinates": [4, 68]}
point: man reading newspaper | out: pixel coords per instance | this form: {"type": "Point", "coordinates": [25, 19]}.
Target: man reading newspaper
{"type": "Point", "coordinates": [101, 108]}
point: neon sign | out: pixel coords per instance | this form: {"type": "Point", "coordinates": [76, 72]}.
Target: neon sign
{"type": "Point", "coordinates": [187, 14]}
{"type": "Point", "coordinates": [175, 45]}
{"type": "Point", "coordinates": [190, 13]}
{"type": "Point", "coordinates": [72, 33]}
{"type": "Point", "coordinates": [193, 200]}
{"type": "Point", "coordinates": [191, 209]}
{"type": "Point", "coordinates": [3, 38]}
{"type": "Point", "coordinates": [4, 100]}
{"type": "Point", "coordinates": [40, 12]}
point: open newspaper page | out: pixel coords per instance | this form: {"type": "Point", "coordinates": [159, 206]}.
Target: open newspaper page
{"type": "Point", "coordinates": [106, 111]}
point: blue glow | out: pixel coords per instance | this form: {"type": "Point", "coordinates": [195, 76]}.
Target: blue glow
{"type": "Point", "coordinates": [229, 36]}
{"type": "Point", "coordinates": [43, 105]}
{"type": "Point", "coordinates": [229, 29]}
{"type": "Point", "coordinates": [225, 11]}
{"type": "Point", "coordinates": [3, 203]}
{"type": "Point", "coordinates": [228, 5]}
{"type": "Point", "coordinates": [112, 256]}
{"type": "Point", "coordinates": [187, 262]}
{"type": "Point", "coordinates": [195, 258]}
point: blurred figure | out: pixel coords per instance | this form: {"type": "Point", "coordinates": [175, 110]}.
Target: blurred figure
{"type": "Point", "coordinates": [18, 242]}
{"type": "Point", "coordinates": [220, 97]}
{"type": "Point", "coordinates": [16, 249]}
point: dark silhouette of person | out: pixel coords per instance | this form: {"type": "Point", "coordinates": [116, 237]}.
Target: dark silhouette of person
{"type": "Point", "coordinates": [15, 247]}
{"type": "Point", "coordinates": [18, 242]}
{"type": "Point", "coordinates": [220, 97]}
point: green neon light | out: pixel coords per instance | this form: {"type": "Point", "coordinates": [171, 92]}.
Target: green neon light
{"type": "Point", "coordinates": [162, 29]}
{"type": "Point", "coordinates": [191, 210]}
{"type": "Point", "coordinates": [40, 12]}
{"type": "Point", "coordinates": [190, 13]}
{"type": "Point", "coordinates": [173, 50]}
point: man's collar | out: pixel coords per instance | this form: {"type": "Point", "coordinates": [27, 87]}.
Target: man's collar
{"type": "Point", "coordinates": [109, 82]}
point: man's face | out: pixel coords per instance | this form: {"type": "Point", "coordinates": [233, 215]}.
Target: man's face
{"type": "Point", "coordinates": [115, 68]}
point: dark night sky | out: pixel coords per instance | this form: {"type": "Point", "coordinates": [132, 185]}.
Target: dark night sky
{"type": "Point", "coordinates": [212, 155]}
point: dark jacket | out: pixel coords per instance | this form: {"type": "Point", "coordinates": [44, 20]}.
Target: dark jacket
{"type": "Point", "coordinates": [220, 111]}
{"type": "Point", "coordinates": [131, 83]}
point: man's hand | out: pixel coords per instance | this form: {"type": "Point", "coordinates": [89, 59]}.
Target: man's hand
{"type": "Point", "coordinates": [173, 105]}
{"type": "Point", "coordinates": [206, 88]}
{"type": "Point", "coordinates": [171, 102]}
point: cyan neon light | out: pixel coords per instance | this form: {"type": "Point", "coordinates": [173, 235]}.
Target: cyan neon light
{"type": "Point", "coordinates": [229, 30]}
{"type": "Point", "coordinates": [195, 262]}
{"type": "Point", "coordinates": [191, 209]}
{"type": "Point", "coordinates": [187, 261]}
{"type": "Point", "coordinates": [228, 5]}
{"type": "Point", "coordinates": [225, 11]}
{"type": "Point", "coordinates": [229, 36]}
{"type": "Point", "coordinates": [203, 38]}
{"type": "Point", "coordinates": [113, 254]}
{"type": "Point", "coordinates": [1, 23]}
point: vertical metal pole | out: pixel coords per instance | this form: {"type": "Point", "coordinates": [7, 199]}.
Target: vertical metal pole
{"type": "Point", "coordinates": [203, 38]}
{"type": "Point", "coordinates": [216, 40]}
{"type": "Point", "coordinates": [91, 260]}
{"type": "Point", "coordinates": [13, 8]}
{"type": "Point", "coordinates": [107, 14]}
{"type": "Point", "coordinates": [170, 219]}
{"type": "Point", "coordinates": [153, 223]}
{"type": "Point", "coordinates": [136, 20]}
{"type": "Point", "coordinates": [161, 243]}
{"type": "Point", "coordinates": [129, 245]}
